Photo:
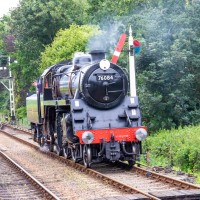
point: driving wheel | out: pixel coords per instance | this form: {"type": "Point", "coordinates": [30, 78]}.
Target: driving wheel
{"type": "Point", "coordinates": [59, 150]}
{"type": "Point", "coordinates": [135, 157]}
{"type": "Point", "coordinates": [87, 155]}
{"type": "Point", "coordinates": [75, 154]}
{"type": "Point", "coordinates": [67, 151]}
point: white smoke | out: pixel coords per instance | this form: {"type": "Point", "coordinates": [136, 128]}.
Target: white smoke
{"type": "Point", "coordinates": [108, 38]}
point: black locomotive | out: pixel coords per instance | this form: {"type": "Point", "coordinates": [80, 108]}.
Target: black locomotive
{"type": "Point", "coordinates": [82, 109]}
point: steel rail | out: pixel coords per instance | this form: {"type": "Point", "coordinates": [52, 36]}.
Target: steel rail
{"type": "Point", "coordinates": [47, 193]}
{"type": "Point", "coordinates": [167, 179]}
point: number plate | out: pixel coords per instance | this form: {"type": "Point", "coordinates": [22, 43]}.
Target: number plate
{"type": "Point", "coordinates": [103, 77]}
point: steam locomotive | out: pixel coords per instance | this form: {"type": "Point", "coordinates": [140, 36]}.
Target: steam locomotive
{"type": "Point", "coordinates": [82, 111]}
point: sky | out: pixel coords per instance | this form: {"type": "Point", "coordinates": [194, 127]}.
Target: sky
{"type": "Point", "coordinates": [5, 5]}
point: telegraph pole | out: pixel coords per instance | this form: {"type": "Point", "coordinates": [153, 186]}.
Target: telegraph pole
{"type": "Point", "coordinates": [10, 88]}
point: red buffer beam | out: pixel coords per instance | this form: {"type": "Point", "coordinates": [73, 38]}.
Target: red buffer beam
{"type": "Point", "coordinates": [118, 48]}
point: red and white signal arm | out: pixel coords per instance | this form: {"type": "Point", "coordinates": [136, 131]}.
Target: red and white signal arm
{"type": "Point", "coordinates": [118, 48]}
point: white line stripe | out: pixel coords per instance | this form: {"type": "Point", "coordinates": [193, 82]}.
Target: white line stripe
{"type": "Point", "coordinates": [117, 53]}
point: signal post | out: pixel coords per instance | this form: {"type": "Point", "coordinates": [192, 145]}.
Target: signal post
{"type": "Point", "coordinates": [131, 65]}
{"type": "Point", "coordinates": [133, 48]}
{"type": "Point", "coordinates": [9, 87]}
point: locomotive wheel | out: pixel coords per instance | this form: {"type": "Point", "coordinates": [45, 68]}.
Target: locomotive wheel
{"type": "Point", "coordinates": [35, 135]}
{"type": "Point", "coordinates": [39, 136]}
{"type": "Point", "coordinates": [87, 155]}
{"type": "Point", "coordinates": [67, 152]}
{"type": "Point", "coordinates": [136, 157]}
{"type": "Point", "coordinates": [59, 151]}
{"type": "Point", "coordinates": [51, 143]}
{"type": "Point", "coordinates": [137, 150]}
{"type": "Point", "coordinates": [59, 131]}
{"type": "Point", "coordinates": [75, 154]}
{"type": "Point", "coordinates": [41, 141]}
{"type": "Point", "coordinates": [131, 162]}
{"type": "Point", "coordinates": [50, 136]}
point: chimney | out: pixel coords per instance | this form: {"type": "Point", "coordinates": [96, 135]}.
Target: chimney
{"type": "Point", "coordinates": [97, 55]}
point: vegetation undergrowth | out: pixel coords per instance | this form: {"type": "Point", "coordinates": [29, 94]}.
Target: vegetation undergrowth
{"type": "Point", "coordinates": [177, 148]}
{"type": "Point", "coordinates": [22, 117]}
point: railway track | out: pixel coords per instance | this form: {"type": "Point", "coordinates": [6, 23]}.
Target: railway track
{"type": "Point", "coordinates": [160, 186]}
{"type": "Point", "coordinates": [137, 182]}
{"type": "Point", "coordinates": [17, 182]}
{"type": "Point", "coordinates": [67, 182]}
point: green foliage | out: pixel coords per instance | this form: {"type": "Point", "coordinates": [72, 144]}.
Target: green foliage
{"type": "Point", "coordinates": [35, 24]}
{"type": "Point", "coordinates": [179, 148]}
{"type": "Point", "coordinates": [66, 43]}
{"type": "Point", "coordinates": [1, 36]}
{"type": "Point", "coordinates": [4, 99]}
{"type": "Point", "coordinates": [168, 72]}
{"type": "Point", "coordinates": [101, 11]}
{"type": "Point", "coordinates": [41, 19]}
{"type": "Point", "coordinates": [21, 116]}
{"type": "Point", "coordinates": [4, 32]}
{"type": "Point", "coordinates": [4, 94]}
{"type": "Point", "coordinates": [21, 113]}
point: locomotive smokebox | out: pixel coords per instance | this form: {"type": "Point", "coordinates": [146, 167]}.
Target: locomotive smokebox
{"type": "Point", "coordinates": [97, 55]}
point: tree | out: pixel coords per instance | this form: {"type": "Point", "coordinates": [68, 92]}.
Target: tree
{"type": "Point", "coordinates": [6, 46]}
{"type": "Point", "coordinates": [66, 43]}
{"type": "Point", "coordinates": [41, 19]}
{"type": "Point", "coordinates": [1, 36]}
{"type": "Point", "coordinates": [6, 36]}
{"type": "Point", "coordinates": [101, 11]}
{"type": "Point", "coordinates": [34, 24]}
{"type": "Point", "coordinates": [168, 69]}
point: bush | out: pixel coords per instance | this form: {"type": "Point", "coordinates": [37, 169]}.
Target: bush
{"type": "Point", "coordinates": [21, 112]}
{"type": "Point", "coordinates": [179, 148]}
